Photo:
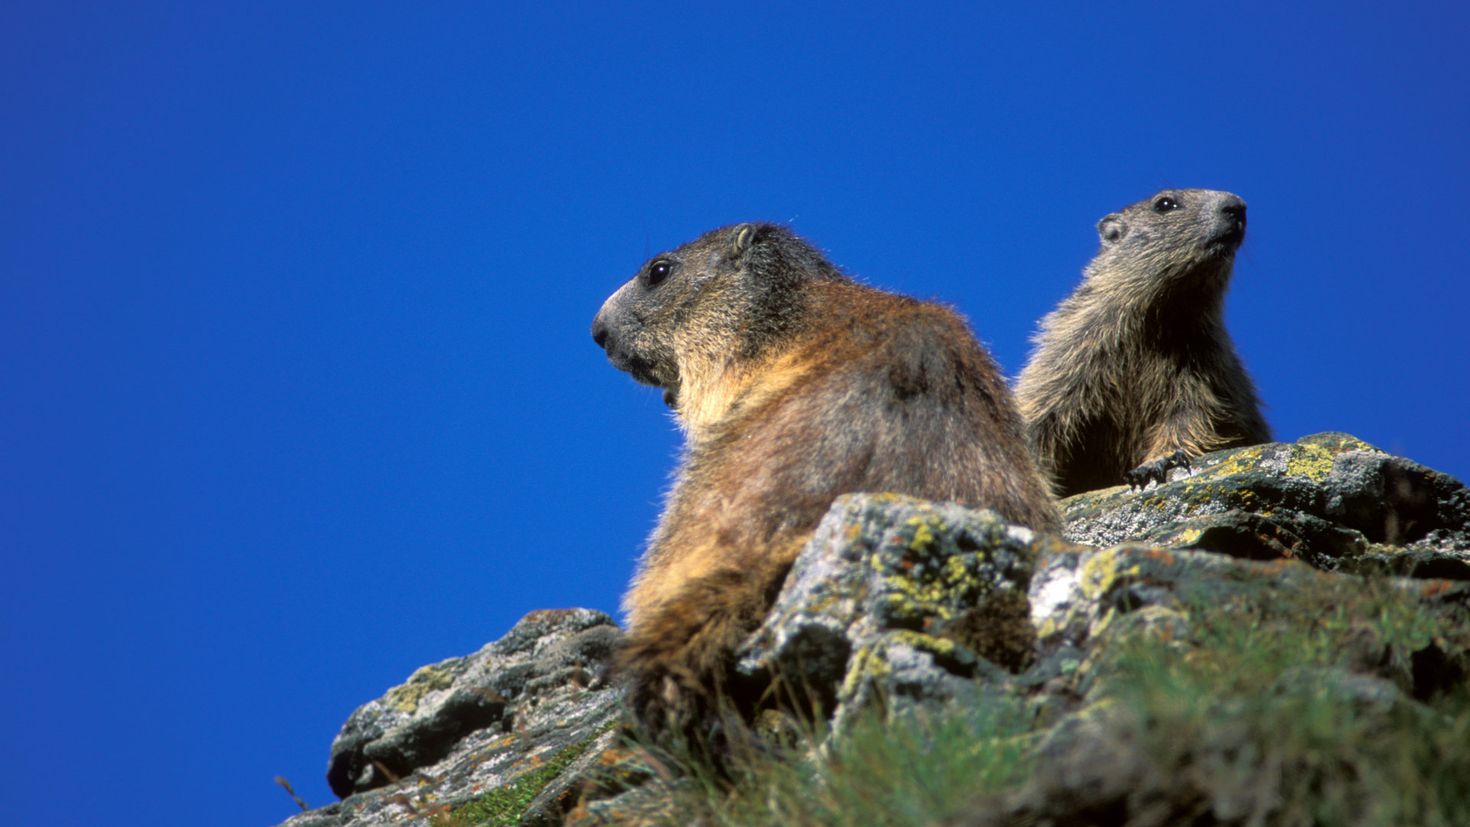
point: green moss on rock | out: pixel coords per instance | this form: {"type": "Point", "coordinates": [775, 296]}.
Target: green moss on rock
{"type": "Point", "coordinates": [504, 806]}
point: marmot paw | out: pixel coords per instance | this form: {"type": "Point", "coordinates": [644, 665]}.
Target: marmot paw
{"type": "Point", "coordinates": [1156, 471]}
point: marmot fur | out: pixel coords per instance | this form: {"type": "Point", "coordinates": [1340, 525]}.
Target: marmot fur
{"type": "Point", "coordinates": [1134, 372]}
{"type": "Point", "coordinates": [793, 385]}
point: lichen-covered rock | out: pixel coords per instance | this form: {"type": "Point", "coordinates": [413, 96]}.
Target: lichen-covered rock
{"type": "Point", "coordinates": [899, 604]}
{"type": "Point", "coordinates": [898, 601]}
{"type": "Point", "coordinates": [1330, 500]}
{"type": "Point", "coordinates": [511, 726]}
{"type": "Point", "coordinates": [1204, 692]}
{"type": "Point", "coordinates": [642, 798]}
{"type": "Point", "coordinates": [1077, 591]}
{"type": "Point", "coordinates": [1084, 599]}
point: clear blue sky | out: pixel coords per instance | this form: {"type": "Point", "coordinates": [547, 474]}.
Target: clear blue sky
{"type": "Point", "coordinates": [294, 301]}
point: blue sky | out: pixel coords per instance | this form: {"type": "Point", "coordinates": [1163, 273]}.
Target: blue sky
{"type": "Point", "coordinates": [294, 302]}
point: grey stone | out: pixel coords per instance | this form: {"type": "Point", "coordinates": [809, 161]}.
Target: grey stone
{"type": "Point", "coordinates": [1330, 500]}
{"type": "Point", "coordinates": [460, 728]}
{"type": "Point", "coordinates": [898, 601]}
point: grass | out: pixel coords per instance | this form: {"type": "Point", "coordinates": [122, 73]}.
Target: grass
{"type": "Point", "coordinates": [504, 806]}
{"type": "Point", "coordinates": [1301, 710]}
{"type": "Point", "coordinates": [1332, 702]}
{"type": "Point", "coordinates": [1303, 707]}
{"type": "Point", "coordinates": [876, 774]}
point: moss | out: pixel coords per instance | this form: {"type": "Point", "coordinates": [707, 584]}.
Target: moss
{"type": "Point", "coordinates": [997, 628]}
{"type": "Point", "coordinates": [1313, 699]}
{"type": "Point", "coordinates": [505, 805]}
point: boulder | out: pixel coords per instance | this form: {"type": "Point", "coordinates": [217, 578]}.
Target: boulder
{"type": "Point", "coordinates": [898, 601]}
{"type": "Point", "coordinates": [521, 717]}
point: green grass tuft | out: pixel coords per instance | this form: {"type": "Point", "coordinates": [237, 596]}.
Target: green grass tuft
{"type": "Point", "coordinates": [897, 773]}
{"type": "Point", "coordinates": [1301, 710]}
{"type": "Point", "coordinates": [504, 806]}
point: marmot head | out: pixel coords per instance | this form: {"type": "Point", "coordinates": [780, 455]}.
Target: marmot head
{"type": "Point", "coordinates": [1174, 234]}
{"type": "Point", "coordinates": [696, 310]}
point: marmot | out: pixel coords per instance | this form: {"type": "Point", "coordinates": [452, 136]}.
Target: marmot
{"type": "Point", "coordinates": [1134, 372]}
{"type": "Point", "coordinates": [793, 384]}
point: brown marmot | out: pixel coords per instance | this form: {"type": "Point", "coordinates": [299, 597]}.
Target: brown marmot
{"type": "Point", "coordinates": [793, 384]}
{"type": "Point", "coordinates": [1134, 372]}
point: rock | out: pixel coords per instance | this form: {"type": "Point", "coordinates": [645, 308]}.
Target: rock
{"type": "Point", "coordinates": [898, 601]}
{"type": "Point", "coordinates": [1078, 591]}
{"type": "Point", "coordinates": [899, 605]}
{"type": "Point", "coordinates": [1272, 536]}
{"type": "Point", "coordinates": [524, 716]}
{"type": "Point", "coordinates": [1330, 500]}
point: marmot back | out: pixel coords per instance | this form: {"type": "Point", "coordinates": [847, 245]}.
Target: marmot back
{"type": "Point", "coordinates": [794, 385]}
{"type": "Point", "coordinates": [1135, 372]}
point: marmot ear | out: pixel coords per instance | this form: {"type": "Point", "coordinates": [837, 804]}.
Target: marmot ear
{"type": "Point", "coordinates": [743, 237]}
{"type": "Point", "coordinates": [1112, 228]}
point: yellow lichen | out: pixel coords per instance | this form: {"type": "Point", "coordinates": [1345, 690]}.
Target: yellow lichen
{"type": "Point", "coordinates": [1338, 443]}
{"type": "Point", "coordinates": [1310, 457]}
{"type": "Point", "coordinates": [1240, 462]}
{"type": "Point", "coordinates": [923, 534]}
{"type": "Point", "coordinates": [924, 643]}
{"type": "Point", "coordinates": [1053, 624]}
{"type": "Point", "coordinates": [865, 664]}
{"type": "Point", "coordinates": [1101, 570]}
{"type": "Point", "coordinates": [910, 596]}
{"type": "Point", "coordinates": [957, 574]}
{"type": "Point", "coordinates": [1311, 461]}
{"type": "Point", "coordinates": [406, 698]}
{"type": "Point", "coordinates": [1187, 537]}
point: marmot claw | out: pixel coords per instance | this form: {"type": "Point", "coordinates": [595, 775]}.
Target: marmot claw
{"type": "Point", "coordinates": [1156, 471]}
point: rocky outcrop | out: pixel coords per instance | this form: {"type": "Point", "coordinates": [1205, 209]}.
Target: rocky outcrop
{"type": "Point", "coordinates": [1329, 500]}
{"type": "Point", "coordinates": [902, 602]}
{"type": "Point", "coordinates": [898, 604]}
{"type": "Point", "coordinates": [522, 717]}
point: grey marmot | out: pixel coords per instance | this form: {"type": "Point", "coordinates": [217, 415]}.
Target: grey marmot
{"type": "Point", "coordinates": [1134, 373]}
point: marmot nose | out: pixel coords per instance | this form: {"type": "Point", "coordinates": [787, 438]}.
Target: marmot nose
{"type": "Point", "coordinates": [1234, 208]}
{"type": "Point", "coordinates": [599, 333]}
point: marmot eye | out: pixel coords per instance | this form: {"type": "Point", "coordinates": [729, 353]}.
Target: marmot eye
{"type": "Point", "coordinates": [658, 271]}
{"type": "Point", "coordinates": [1165, 204]}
